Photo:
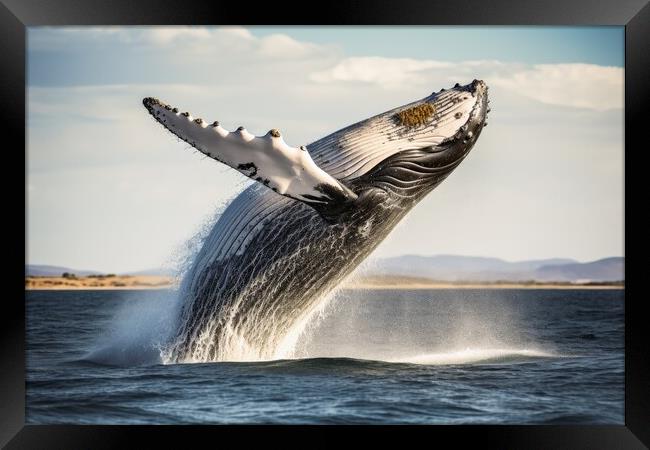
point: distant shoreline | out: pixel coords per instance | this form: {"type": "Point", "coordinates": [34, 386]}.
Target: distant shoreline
{"type": "Point", "coordinates": [482, 286]}
{"type": "Point", "coordinates": [99, 282]}
{"type": "Point", "coordinates": [376, 282]}
{"type": "Point", "coordinates": [145, 282]}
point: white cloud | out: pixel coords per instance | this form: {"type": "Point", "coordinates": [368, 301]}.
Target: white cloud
{"type": "Point", "coordinates": [166, 35]}
{"type": "Point", "coordinates": [576, 85]}
{"type": "Point", "coordinates": [229, 40]}
{"type": "Point", "coordinates": [177, 43]}
{"type": "Point", "coordinates": [387, 72]}
{"type": "Point", "coordinates": [183, 44]}
{"type": "Point", "coordinates": [105, 102]}
{"type": "Point", "coordinates": [283, 46]}
{"type": "Point", "coordinates": [235, 56]}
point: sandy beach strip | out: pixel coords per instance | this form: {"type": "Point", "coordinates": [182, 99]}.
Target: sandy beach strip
{"type": "Point", "coordinates": [115, 282]}
{"type": "Point", "coordinates": [129, 282]}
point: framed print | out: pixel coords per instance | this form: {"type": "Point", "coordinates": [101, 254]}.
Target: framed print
{"type": "Point", "coordinates": [246, 221]}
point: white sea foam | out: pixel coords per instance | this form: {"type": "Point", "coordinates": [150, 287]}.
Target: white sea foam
{"type": "Point", "coordinates": [474, 356]}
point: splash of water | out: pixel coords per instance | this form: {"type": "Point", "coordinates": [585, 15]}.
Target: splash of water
{"type": "Point", "coordinates": [265, 331]}
{"type": "Point", "coordinates": [140, 330]}
{"type": "Point", "coordinates": [137, 332]}
{"type": "Point", "coordinates": [292, 346]}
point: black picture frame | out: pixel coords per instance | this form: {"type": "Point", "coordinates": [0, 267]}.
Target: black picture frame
{"type": "Point", "coordinates": [16, 15]}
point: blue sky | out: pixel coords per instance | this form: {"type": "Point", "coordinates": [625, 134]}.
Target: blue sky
{"type": "Point", "coordinates": [109, 190]}
{"type": "Point", "coordinates": [597, 45]}
{"type": "Point", "coordinates": [75, 63]}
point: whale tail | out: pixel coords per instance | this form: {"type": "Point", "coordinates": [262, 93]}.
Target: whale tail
{"type": "Point", "coordinates": [268, 159]}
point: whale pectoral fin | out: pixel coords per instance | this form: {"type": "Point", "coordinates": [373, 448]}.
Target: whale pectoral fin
{"type": "Point", "coordinates": [287, 170]}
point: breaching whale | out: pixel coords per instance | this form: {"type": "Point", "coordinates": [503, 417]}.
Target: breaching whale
{"type": "Point", "coordinates": [316, 212]}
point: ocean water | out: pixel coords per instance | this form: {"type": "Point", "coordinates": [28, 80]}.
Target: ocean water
{"type": "Point", "coordinates": [446, 356]}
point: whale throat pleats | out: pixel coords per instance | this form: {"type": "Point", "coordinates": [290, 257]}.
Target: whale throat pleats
{"type": "Point", "coordinates": [353, 151]}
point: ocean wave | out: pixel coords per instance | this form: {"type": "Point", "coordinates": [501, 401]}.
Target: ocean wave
{"type": "Point", "coordinates": [477, 356]}
{"type": "Point", "coordinates": [458, 357]}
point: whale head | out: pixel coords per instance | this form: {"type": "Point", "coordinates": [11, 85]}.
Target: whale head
{"type": "Point", "coordinates": [462, 115]}
{"type": "Point", "coordinates": [406, 152]}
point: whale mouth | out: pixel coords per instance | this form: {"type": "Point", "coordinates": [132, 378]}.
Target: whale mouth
{"type": "Point", "coordinates": [477, 117]}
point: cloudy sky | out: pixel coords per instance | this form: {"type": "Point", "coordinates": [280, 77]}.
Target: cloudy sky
{"type": "Point", "coordinates": [108, 189]}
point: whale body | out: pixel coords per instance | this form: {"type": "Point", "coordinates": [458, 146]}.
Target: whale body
{"type": "Point", "coordinates": [315, 214]}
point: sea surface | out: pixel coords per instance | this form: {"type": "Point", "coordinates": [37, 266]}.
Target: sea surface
{"type": "Point", "coordinates": [448, 356]}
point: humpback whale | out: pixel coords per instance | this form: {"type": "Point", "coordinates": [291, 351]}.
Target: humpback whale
{"type": "Point", "coordinates": [315, 213]}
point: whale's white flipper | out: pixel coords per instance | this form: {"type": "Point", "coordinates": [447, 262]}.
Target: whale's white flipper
{"type": "Point", "coordinates": [289, 171]}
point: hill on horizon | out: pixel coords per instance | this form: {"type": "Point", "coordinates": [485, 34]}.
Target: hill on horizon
{"type": "Point", "coordinates": [477, 268]}
{"type": "Point", "coordinates": [42, 270]}
{"type": "Point", "coordinates": [441, 268]}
